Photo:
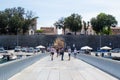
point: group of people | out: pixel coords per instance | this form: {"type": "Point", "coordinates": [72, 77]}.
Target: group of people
{"type": "Point", "coordinates": [61, 52]}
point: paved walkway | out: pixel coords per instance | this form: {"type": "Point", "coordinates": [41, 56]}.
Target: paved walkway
{"type": "Point", "coordinates": [75, 69]}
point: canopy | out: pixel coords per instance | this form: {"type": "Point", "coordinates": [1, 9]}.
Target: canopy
{"type": "Point", "coordinates": [40, 46]}
{"type": "Point", "coordinates": [105, 48]}
{"type": "Point", "coordinates": [86, 48]}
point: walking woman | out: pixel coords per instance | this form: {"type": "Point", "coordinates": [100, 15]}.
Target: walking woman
{"type": "Point", "coordinates": [62, 53]}
{"type": "Point", "coordinates": [69, 53]}
{"type": "Point", "coordinates": [52, 50]}
{"type": "Point", "coordinates": [75, 53]}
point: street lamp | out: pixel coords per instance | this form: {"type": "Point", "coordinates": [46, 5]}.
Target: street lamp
{"type": "Point", "coordinates": [110, 44]}
{"type": "Point", "coordinates": [73, 46]}
{"type": "Point", "coordinates": [17, 38]}
{"type": "Point", "coordinates": [100, 40]}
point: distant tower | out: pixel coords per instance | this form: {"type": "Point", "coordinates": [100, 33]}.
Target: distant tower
{"type": "Point", "coordinates": [33, 28]}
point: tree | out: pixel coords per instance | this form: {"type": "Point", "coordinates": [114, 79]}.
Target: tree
{"type": "Point", "coordinates": [74, 23]}
{"type": "Point", "coordinates": [16, 20]}
{"type": "Point", "coordinates": [3, 23]}
{"type": "Point", "coordinates": [39, 31]}
{"type": "Point", "coordinates": [29, 20]}
{"type": "Point", "coordinates": [95, 25]}
{"type": "Point", "coordinates": [103, 21]}
{"type": "Point", "coordinates": [15, 24]}
{"type": "Point", "coordinates": [60, 24]}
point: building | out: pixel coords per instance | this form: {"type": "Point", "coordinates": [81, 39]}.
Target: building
{"type": "Point", "coordinates": [89, 31]}
{"type": "Point", "coordinates": [115, 30]}
{"type": "Point", "coordinates": [32, 29]}
{"type": "Point", "coordinates": [49, 30]}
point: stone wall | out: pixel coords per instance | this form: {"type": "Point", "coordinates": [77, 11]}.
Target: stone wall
{"type": "Point", "coordinates": [10, 41]}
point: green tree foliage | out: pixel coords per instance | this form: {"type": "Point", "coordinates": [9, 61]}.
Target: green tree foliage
{"type": "Point", "coordinates": [28, 21]}
{"type": "Point", "coordinates": [103, 22]}
{"type": "Point", "coordinates": [73, 22]}
{"type": "Point", "coordinates": [39, 31]}
{"type": "Point", "coordinates": [105, 31]}
{"type": "Point", "coordinates": [15, 20]}
{"type": "Point", "coordinates": [3, 23]}
{"type": "Point", "coordinates": [60, 24]}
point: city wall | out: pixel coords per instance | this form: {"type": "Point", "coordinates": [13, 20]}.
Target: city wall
{"type": "Point", "coordinates": [10, 41]}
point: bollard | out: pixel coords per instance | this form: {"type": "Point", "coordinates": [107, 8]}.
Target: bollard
{"type": "Point", "coordinates": [96, 54]}
{"type": "Point", "coordinates": [109, 54]}
{"type": "Point", "coordinates": [102, 54]}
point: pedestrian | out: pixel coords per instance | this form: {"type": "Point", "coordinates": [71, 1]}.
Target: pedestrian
{"type": "Point", "coordinates": [57, 51]}
{"type": "Point", "coordinates": [69, 53]}
{"type": "Point", "coordinates": [62, 53]}
{"type": "Point", "coordinates": [52, 50]}
{"type": "Point", "coordinates": [75, 53]}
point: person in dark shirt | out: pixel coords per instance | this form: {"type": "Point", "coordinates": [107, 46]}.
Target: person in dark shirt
{"type": "Point", "coordinates": [62, 53]}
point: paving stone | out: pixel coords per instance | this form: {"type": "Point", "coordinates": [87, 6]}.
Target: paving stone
{"type": "Point", "coordinates": [75, 69]}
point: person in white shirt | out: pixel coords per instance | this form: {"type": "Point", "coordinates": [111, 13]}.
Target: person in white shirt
{"type": "Point", "coordinates": [75, 53]}
{"type": "Point", "coordinates": [52, 51]}
{"type": "Point", "coordinates": [69, 53]}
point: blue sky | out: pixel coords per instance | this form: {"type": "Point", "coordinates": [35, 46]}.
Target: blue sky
{"type": "Point", "coordinates": [50, 11]}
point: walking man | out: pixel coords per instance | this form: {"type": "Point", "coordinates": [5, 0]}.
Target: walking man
{"type": "Point", "coordinates": [57, 51]}
{"type": "Point", "coordinates": [62, 53]}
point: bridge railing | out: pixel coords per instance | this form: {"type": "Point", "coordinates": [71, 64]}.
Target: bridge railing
{"type": "Point", "coordinates": [8, 69]}
{"type": "Point", "coordinates": [110, 66]}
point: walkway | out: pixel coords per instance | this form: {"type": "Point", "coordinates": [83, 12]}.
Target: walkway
{"type": "Point", "coordinates": [76, 69]}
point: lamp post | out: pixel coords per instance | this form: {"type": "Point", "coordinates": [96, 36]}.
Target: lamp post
{"type": "Point", "coordinates": [17, 38]}
{"type": "Point", "coordinates": [73, 46]}
{"type": "Point", "coordinates": [100, 40]}
{"type": "Point", "coordinates": [110, 44]}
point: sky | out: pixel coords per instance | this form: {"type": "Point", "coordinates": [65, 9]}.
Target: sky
{"type": "Point", "coordinates": [49, 11]}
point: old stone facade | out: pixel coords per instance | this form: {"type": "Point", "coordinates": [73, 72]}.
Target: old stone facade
{"type": "Point", "coordinates": [89, 31]}
{"type": "Point", "coordinates": [9, 41]}
{"type": "Point", "coordinates": [115, 30]}
{"type": "Point", "coordinates": [32, 29]}
{"type": "Point", "coordinates": [49, 30]}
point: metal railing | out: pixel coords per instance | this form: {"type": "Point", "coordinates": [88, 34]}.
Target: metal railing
{"type": "Point", "coordinates": [110, 66]}
{"type": "Point", "coordinates": [9, 69]}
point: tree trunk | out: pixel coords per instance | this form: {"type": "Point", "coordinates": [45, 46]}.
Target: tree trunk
{"type": "Point", "coordinates": [108, 30]}
{"type": "Point", "coordinates": [85, 32]}
{"type": "Point", "coordinates": [64, 30]}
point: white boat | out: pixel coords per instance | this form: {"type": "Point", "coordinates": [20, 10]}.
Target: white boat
{"type": "Point", "coordinates": [13, 57]}
{"type": "Point", "coordinates": [1, 56]}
